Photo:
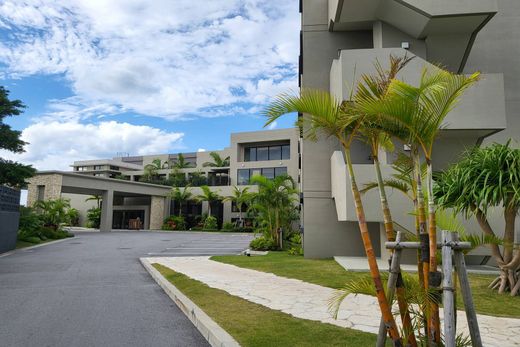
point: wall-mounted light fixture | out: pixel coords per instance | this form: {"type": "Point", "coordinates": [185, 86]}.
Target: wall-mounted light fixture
{"type": "Point", "coordinates": [405, 45]}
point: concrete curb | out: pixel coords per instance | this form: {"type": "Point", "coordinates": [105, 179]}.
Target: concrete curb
{"type": "Point", "coordinates": [36, 246]}
{"type": "Point", "coordinates": [212, 332]}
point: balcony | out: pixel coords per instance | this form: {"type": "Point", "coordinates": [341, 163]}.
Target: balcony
{"type": "Point", "coordinates": [481, 110]}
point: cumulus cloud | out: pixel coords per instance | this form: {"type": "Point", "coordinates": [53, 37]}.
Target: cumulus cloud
{"type": "Point", "coordinates": [201, 150]}
{"type": "Point", "coordinates": [56, 145]}
{"type": "Point", "coordinates": [172, 59]}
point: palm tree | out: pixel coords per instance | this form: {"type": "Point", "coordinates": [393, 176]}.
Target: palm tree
{"type": "Point", "coordinates": [181, 163]}
{"type": "Point", "coordinates": [240, 198]}
{"type": "Point", "coordinates": [421, 111]}
{"type": "Point", "coordinates": [53, 212]}
{"type": "Point", "coordinates": [329, 117]}
{"type": "Point", "coordinates": [97, 198]}
{"type": "Point", "coordinates": [151, 170]}
{"type": "Point", "coordinates": [180, 196]}
{"type": "Point", "coordinates": [209, 196]}
{"type": "Point", "coordinates": [217, 161]}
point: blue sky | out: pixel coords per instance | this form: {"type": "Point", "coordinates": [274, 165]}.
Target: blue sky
{"type": "Point", "coordinates": [144, 77]}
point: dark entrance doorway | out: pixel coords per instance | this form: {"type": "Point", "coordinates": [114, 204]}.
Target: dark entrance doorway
{"type": "Point", "coordinates": [217, 211]}
{"type": "Point", "coordinates": [120, 220]}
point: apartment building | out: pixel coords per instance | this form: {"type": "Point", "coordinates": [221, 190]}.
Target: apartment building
{"type": "Point", "coordinates": [269, 153]}
{"type": "Point", "coordinates": [342, 39]}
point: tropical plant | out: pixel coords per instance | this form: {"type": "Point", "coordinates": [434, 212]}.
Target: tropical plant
{"type": "Point", "coordinates": [274, 204]}
{"type": "Point", "coordinates": [197, 179]}
{"type": "Point", "coordinates": [73, 217]}
{"type": "Point", "coordinates": [488, 179]}
{"type": "Point", "coordinates": [180, 196]}
{"type": "Point", "coordinates": [217, 161]}
{"type": "Point", "coordinates": [181, 162]}
{"type": "Point", "coordinates": [11, 173]}
{"type": "Point", "coordinates": [174, 223]}
{"type": "Point", "coordinates": [240, 197]}
{"type": "Point", "coordinates": [94, 217]}
{"type": "Point", "coordinates": [96, 198]}
{"type": "Point", "coordinates": [210, 223]}
{"type": "Point", "coordinates": [208, 196]}
{"type": "Point", "coordinates": [329, 117]}
{"type": "Point", "coordinates": [177, 178]}
{"type": "Point", "coordinates": [53, 213]}
{"type": "Point", "coordinates": [151, 171]}
{"type": "Point", "coordinates": [416, 115]}
{"type": "Point", "coordinates": [263, 243]}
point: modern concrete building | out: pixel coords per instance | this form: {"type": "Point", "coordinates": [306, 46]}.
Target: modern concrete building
{"type": "Point", "coordinates": [268, 153]}
{"type": "Point", "coordinates": [342, 39]}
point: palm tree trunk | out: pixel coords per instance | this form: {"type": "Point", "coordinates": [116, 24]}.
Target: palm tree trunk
{"type": "Point", "coordinates": [390, 235]}
{"type": "Point", "coordinates": [434, 320]}
{"type": "Point", "coordinates": [386, 312]}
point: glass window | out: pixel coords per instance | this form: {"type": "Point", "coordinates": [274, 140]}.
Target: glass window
{"type": "Point", "coordinates": [256, 172]}
{"type": "Point", "coordinates": [280, 171]}
{"type": "Point", "coordinates": [275, 152]}
{"type": "Point", "coordinates": [262, 153]}
{"type": "Point", "coordinates": [286, 152]}
{"type": "Point", "coordinates": [250, 154]}
{"type": "Point", "coordinates": [268, 173]}
{"type": "Point", "coordinates": [243, 177]}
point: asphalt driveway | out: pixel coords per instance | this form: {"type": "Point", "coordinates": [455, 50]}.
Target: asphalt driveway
{"type": "Point", "coordinates": [91, 290]}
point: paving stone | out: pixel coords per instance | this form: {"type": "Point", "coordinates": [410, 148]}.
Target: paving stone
{"type": "Point", "coordinates": [310, 301]}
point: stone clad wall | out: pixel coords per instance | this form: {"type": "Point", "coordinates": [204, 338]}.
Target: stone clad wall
{"type": "Point", "coordinates": [157, 207]}
{"type": "Point", "coordinates": [52, 185]}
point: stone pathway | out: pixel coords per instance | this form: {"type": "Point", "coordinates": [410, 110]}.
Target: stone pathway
{"type": "Point", "coordinates": [310, 301]}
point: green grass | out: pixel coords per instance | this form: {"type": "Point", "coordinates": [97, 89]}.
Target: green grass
{"type": "Point", "coordinates": [328, 273]}
{"type": "Point", "coordinates": [255, 325]}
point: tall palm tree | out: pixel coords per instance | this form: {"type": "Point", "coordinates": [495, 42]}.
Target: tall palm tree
{"type": "Point", "coordinates": [180, 196]}
{"type": "Point", "coordinates": [209, 196]}
{"type": "Point", "coordinates": [181, 162]}
{"type": "Point", "coordinates": [217, 161]}
{"type": "Point", "coordinates": [329, 117]}
{"type": "Point", "coordinates": [240, 198]}
{"type": "Point", "coordinates": [422, 111]}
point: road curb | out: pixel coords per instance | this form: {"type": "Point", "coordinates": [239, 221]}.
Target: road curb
{"type": "Point", "coordinates": [36, 246]}
{"type": "Point", "coordinates": [212, 332]}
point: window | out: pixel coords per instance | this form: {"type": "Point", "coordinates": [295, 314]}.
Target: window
{"type": "Point", "coordinates": [116, 168]}
{"type": "Point", "coordinates": [82, 168]}
{"type": "Point", "coordinates": [256, 172]}
{"type": "Point", "coordinates": [286, 152]}
{"type": "Point", "coordinates": [262, 153]}
{"type": "Point", "coordinates": [98, 167]}
{"type": "Point", "coordinates": [279, 171]}
{"type": "Point", "coordinates": [276, 152]}
{"type": "Point", "coordinates": [250, 154]}
{"type": "Point", "coordinates": [268, 173]}
{"type": "Point", "coordinates": [243, 177]}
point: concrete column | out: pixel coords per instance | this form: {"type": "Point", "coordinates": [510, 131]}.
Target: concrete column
{"type": "Point", "coordinates": [107, 211]}
{"type": "Point", "coordinates": [157, 207]}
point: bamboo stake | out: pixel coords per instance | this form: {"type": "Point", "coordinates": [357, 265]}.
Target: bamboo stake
{"type": "Point", "coordinates": [448, 290]}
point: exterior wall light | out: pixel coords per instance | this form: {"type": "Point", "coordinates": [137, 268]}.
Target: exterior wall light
{"type": "Point", "coordinates": [405, 45]}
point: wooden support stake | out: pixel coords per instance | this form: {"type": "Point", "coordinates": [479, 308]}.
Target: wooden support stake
{"type": "Point", "coordinates": [447, 290]}
{"type": "Point", "coordinates": [465, 289]}
{"type": "Point", "coordinates": [392, 280]}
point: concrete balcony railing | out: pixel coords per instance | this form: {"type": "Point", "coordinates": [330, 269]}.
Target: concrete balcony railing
{"type": "Point", "coordinates": [482, 108]}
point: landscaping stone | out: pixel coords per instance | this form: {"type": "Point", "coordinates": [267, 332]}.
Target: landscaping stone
{"type": "Point", "coordinates": [311, 301]}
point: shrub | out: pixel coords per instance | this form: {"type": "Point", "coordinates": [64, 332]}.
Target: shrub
{"type": "Point", "coordinates": [294, 243]}
{"type": "Point", "coordinates": [73, 217]}
{"type": "Point", "coordinates": [174, 223]}
{"type": "Point", "coordinates": [28, 219]}
{"type": "Point", "coordinates": [210, 223]}
{"type": "Point", "coordinates": [263, 243]}
{"type": "Point", "coordinates": [228, 226]}
{"type": "Point", "coordinates": [94, 217]}
{"type": "Point", "coordinates": [52, 234]}
{"type": "Point", "coordinates": [32, 239]}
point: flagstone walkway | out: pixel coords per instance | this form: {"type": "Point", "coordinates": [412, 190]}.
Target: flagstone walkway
{"type": "Point", "coordinates": [310, 301]}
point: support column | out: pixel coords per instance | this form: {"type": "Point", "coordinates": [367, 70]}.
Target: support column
{"type": "Point", "coordinates": [107, 211]}
{"type": "Point", "coordinates": [157, 208]}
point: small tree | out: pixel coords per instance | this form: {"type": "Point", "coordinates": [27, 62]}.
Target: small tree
{"type": "Point", "coordinates": [484, 179]}
{"type": "Point", "coordinates": [240, 198]}
{"type": "Point", "coordinates": [97, 198]}
{"type": "Point", "coordinates": [11, 173]}
{"type": "Point", "coordinates": [53, 212]}
{"type": "Point", "coordinates": [180, 196]}
{"type": "Point", "coordinates": [181, 162]}
{"type": "Point", "coordinates": [209, 196]}
{"type": "Point", "coordinates": [217, 161]}
{"type": "Point", "coordinates": [151, 171]}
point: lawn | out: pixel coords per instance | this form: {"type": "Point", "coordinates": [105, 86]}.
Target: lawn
{"type": "Point", "coordinates": [255, 325]}
{"type": "Point", "coordinates": [328, 273]}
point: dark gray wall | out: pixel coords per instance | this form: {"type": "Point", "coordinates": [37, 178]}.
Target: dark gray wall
{"type": "Point", "coordinates": [9, 218]}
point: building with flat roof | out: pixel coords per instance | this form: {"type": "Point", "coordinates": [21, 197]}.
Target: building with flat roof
{"type": "Point", "coordinates": [120, 180]}
{"type": "Point", "coordinates": [343, 39]}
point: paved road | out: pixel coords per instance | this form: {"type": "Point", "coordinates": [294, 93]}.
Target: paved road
{"type": "Point", "coordinates": [91, 290]}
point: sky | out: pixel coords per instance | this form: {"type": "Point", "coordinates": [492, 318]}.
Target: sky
{"type": "Point", "coordinates": [143, 77]}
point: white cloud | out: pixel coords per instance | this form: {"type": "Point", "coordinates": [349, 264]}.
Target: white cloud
{"type": "Point", "coordinates": [56, 145]}
{"type": "Point", "coordinates": [172, 59]}
{"type": "Point", "coordinates": [273, 125]}
{"type": "Point", "coordinates": [201, 150]}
